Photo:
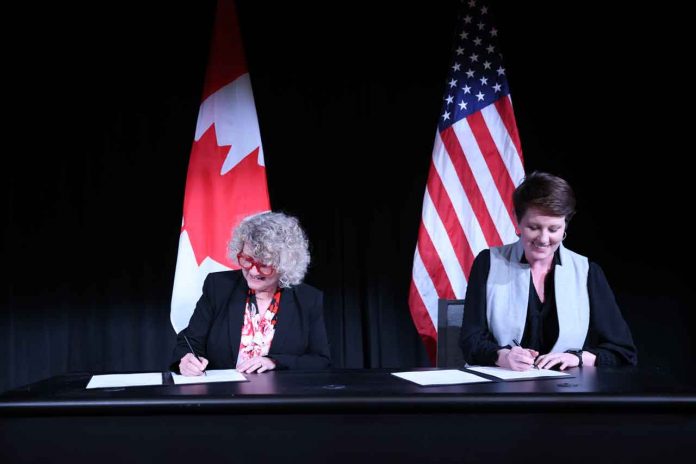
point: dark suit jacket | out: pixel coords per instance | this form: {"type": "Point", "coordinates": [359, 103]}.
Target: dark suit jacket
{"type": "Point", "coordinates": [215, 327]}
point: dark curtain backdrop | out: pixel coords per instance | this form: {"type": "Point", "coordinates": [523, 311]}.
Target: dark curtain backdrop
{"type": "Point", "coordinates": [100, 110]}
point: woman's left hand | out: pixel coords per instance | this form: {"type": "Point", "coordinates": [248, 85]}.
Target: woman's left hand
{"type": "Point", "coordinates": [547, 361]}
{"type": "Point", "coordinates": [256, 364]}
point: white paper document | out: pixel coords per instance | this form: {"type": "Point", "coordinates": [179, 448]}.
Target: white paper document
{"type": "Point", "coordinates": [213, 375]}
{"type": "Point", "coordinates": [445, 377]}
{"type": "Point", "coordinates": [507, 374]}
{"type": "Point", "coordinates": [125, 380]}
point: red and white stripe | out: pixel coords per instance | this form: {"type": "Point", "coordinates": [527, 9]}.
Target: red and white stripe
{"type": "Point", "coordinates": [467, 207]}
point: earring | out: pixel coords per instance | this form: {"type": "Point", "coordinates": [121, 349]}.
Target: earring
{"type": "Point", "coordinates": [565, 234]}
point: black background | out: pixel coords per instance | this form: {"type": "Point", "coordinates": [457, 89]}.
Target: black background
{"type": "Point", "coordinates": [101, 106]}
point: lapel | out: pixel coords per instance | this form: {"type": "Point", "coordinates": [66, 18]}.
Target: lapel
{"type": "Point", "coordinates": [287, 313]}
{"type": "Point", "coordinates": [235, 314]}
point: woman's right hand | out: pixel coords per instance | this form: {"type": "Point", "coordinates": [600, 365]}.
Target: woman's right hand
{"type": "Point", "coordinates": [517, 358]}
{"type": "Point", "coordinates": [190, 366]}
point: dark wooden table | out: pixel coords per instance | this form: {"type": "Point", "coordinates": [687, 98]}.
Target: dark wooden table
{"type": "Point", "coordinates": [601, 414]}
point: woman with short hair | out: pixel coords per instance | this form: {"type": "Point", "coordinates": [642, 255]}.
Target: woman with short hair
{"type": "Point", "coordinates": [261, 317]}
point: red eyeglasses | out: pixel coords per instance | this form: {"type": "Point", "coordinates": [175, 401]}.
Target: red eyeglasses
{"type": "Point", "coordinates": [247, 262]}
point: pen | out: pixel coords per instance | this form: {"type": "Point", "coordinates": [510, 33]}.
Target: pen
{"type": "Point", "coordinates": [517, 343]}
{"type": "Point", "coordinates": [194, 353]}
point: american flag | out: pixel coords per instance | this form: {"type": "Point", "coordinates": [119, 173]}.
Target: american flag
{"type": "Point", "coordinates": [476, 165]}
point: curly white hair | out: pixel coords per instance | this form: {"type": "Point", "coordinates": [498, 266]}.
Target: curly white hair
{"type": "Point", "coordinates": [276, 239]}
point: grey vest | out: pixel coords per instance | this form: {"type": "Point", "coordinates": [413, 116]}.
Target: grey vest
{"type": "Point", "coordinates": [507, 296]}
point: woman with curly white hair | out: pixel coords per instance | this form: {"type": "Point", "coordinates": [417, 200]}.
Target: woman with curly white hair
{"type": "Point", "coordinates": [261, 317]}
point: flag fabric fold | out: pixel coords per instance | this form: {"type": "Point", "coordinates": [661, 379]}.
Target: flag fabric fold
{"type": "Point", "coordinates": [226, 179]}
{"type": "Point", "coordinates": [476, 165]}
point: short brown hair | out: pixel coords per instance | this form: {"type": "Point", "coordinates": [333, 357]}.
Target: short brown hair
{"type": "Point", "coordinates": [547, 192]}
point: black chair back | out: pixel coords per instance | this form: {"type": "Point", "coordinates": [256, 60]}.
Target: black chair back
{"type": "Point", "coordinates": [449, 324]}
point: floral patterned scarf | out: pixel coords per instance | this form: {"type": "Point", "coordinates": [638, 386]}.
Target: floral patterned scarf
{"type": "Point", "coordinates": [257, 331]}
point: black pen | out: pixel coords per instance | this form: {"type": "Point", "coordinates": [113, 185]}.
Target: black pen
{"type": "Point", "coordinates": [516, 342]}
{"type": "Point", "coordinates": [194, 353]}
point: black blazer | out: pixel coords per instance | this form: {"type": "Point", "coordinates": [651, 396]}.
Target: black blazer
{"type": "Point", "coordinates": [215, 327]}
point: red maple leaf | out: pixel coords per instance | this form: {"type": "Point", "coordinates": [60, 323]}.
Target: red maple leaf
{"type": "Point", "coordinates": [215, 203]}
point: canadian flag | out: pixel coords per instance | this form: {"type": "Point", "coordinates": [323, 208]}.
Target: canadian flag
{"type": "Point", "coordinates": [226, 178]}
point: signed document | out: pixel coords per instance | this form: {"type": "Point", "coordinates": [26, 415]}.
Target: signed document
{"type": "Point", "coordinates": [508, 374]}
{"type": "Point", "coordinates": [213, 375]}
{"type": "Point", "coordinates": [444, 377]}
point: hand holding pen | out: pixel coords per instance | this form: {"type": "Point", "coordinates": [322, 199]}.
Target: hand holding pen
{"type": "Point", "coordinates": [192, 364]}
{"type": "Point", "coordinates": [521, 359]}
